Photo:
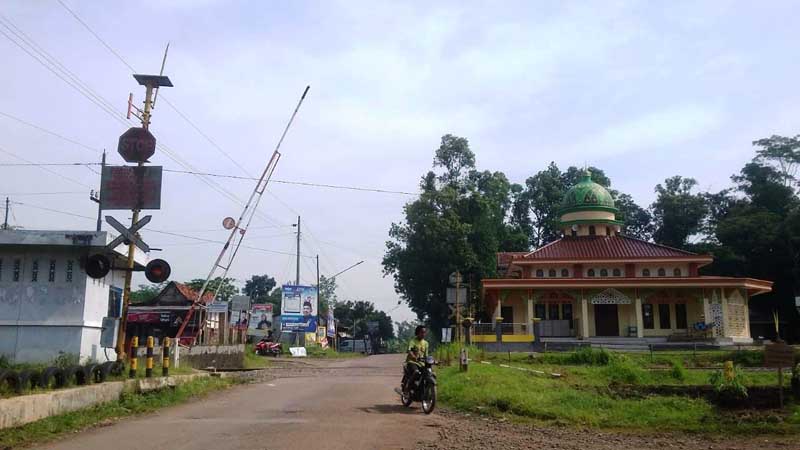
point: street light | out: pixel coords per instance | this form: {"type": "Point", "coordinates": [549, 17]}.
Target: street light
{"type": "Point", "coordinates": [345, 270]}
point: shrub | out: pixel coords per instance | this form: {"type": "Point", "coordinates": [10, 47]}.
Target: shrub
{"type": "Point", "coordinates": [678, 372]}
{"type": "Point", "coordinates": [65, 360]}
{"type": "Point", "coordinates": [623, 371]}
{"type": "Point", "coordinates": [730, 392]}
{"type": "Point", "coordinates": [589, 356]}
{"type": "Point", "coordinates": [4, 362]}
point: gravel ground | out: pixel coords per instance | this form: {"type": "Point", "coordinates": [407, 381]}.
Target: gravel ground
{"type": "Point", "coordinates": [463, 432]}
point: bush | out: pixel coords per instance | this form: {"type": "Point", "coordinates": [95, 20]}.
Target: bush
{"type": "Point", "coordinates": [730, 392]}
{"type": "Point", "coordinates": [624, 371]}
{"type": "Point", "coordinates": [678, 372]}
{"type": "Point", "coordinates": [589, 356]}
{"type": "Point", "coordinates": [65, 360]}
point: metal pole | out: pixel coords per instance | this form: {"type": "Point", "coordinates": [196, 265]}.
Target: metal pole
{"type": "Point", "coordinates": [126, 291]}
{"type": "Point", "coordinates": [99, 207]}
{"type": "Point", "coordinates": [458, 309]}
{"type": "Point", "coordinates": [5, 222]}
{"type": "Point", "coordinates": [297, 278]}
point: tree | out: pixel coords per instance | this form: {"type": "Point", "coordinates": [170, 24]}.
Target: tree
{"type": "Point", "coordinates": [226, 291]}
{"type": "Point", "coordinates": [783, 152]}
{"type": "Point", "coordinates": [677, 213]}
{"type": "Point", "coordinates": [359, 313]}
{"type": "Point", "coordinates": [146, 292]}
{"type": "Point", "coordinates": [327, 292]}
{"type": "Point", "coordinates": [459, 222]}
{"type": "Point", "coordinates": [405, 330]}
{"type": "Point", "coordinates": [637, 221]}
{"type": "Point", "coordinates": [259, 287]}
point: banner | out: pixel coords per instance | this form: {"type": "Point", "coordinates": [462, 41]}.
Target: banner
{"type": "Point", "coordinates": [260, 320]}
{"type": "Point", "coordinates": [331, 323]}
{"type": "Point", "coordinates": [299, 309]}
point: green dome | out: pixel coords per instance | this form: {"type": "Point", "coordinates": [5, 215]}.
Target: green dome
{"type": "Point", "coordinates": [587, 196]}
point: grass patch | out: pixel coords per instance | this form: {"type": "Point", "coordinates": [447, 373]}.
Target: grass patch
{"type": "Point", "coordinates": [567, 401]}
{"type": "Point", "coordinates": [329, 353]}
{"type": "Point", "coordinates": [129, 404]}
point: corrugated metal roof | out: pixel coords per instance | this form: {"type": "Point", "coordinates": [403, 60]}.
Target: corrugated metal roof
{"type": "Point", "coordinates": [603, 247]}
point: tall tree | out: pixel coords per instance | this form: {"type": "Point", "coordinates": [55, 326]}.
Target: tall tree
{"type": "Point", "coordinates": [327, 292]}
{"type": "Point", "coordinates": [637, 221]}
{"type": "Point", "coordinates": [358, 313]}
{"type": "Point", "coordinates": [459, 222]}
{"type": "Point", "coordinates": [258, 288]}
{"type": "Point", "coordinates": [678, 212]}
{"type": "Point", "coordinates": [226, 287]}
{"type": "Point", "coordinates": [783, 152]}
{"type": "Point", "coordinates": [146, 292]}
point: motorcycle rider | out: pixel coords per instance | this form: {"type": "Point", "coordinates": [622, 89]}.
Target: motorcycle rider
{"type": "Point", "coordinates": [417, 351]}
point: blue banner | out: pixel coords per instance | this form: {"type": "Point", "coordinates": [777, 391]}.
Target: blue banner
{"type": "Point", "coordinates": [299, 309]}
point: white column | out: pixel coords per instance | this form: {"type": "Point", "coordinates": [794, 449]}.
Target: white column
{"type": "Point", "coordinates": [584, 317]}
{"type": "Point", "coordinates": [639, 317]}
{"type": "Point", "coordinates": [725, 327]}
{"type": "Point", "coordinates": [530, 316]}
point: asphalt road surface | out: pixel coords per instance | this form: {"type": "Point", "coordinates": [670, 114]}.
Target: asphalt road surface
{"type": "Point", "coordinates": [344, 404]}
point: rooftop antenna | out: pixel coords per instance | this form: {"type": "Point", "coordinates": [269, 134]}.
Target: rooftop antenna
{"type": "Point", "coordinates": [163, 63]}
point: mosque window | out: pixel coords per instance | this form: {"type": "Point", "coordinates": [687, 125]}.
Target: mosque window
{"type": "Point", "coordinates": [564, 273]}
{"type": "Point", "coordinates": [676, 272]}
{"type": "Point", "coordinates": [592, 231]}
{"type": "Point", "coordinates": [662, 272]}
{"type": "Point", "coordinates": [551, 273]}
{"type": "Point", "coordinates": [590, 273]}
{"type": "Point", "coordinates": [539, 273]}
{"type": "Point", "coordinates": [617, 273]}
{"type": "Point", "coordinates": [574, 232]}
{"type": "Point", "coordinates": [603, 272]}
{"type": "Point", "coordinates": [646, 272]}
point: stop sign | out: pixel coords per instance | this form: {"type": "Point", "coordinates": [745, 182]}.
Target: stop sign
{"type": "Point", "coordinates": [136, 145]}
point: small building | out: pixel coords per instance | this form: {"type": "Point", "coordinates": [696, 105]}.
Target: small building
{"type": "Point", "coordinates": [163, 315]}
{"type": "Point", "coordinates": [598, 285]}
{"type": "Point", "coordinates": [48, 305]}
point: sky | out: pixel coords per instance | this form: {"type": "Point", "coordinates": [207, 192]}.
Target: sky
{"type": "Point", "coordinates": [644, 90]}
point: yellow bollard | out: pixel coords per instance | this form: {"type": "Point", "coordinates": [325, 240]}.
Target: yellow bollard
{"type": "Point", "coordinates": [148, 371]}
{"type": "Point", "coordinates": [134, 356]}
{"type": "Point", "coordinates": [165, 358]}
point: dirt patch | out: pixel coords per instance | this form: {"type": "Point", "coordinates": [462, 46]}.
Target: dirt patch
{"type": "Point", "coordinates": [466, 432]}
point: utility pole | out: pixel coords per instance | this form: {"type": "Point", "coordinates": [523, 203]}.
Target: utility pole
{"type": "Point", "coordinates": [319, 297]}
{"type": "Point", "coordinates": [95, 196]}
{"type": "Point", "coordinates": [297, 278]}
{"type": "Point", "coordinates": [5, 222]}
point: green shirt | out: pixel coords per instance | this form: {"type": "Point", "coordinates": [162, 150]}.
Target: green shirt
{"type": "Point", "coordinates": [421, 347]}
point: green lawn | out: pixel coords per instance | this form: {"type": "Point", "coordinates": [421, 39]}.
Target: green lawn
{"type": "Point", "coordinates": [580, 396]}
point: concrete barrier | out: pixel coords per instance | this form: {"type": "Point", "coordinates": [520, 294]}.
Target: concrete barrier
{"type": "Point", "coordinates": [16, 411]}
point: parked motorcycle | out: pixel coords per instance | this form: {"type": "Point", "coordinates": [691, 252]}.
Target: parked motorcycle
{"type": "Point", "coordinates": [423, 390]}
{"type": "Point", "coordinates": [268, 348]}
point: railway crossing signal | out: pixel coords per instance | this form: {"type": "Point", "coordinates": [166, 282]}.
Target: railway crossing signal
{"type": "Point", "coordinates": [128, 234]}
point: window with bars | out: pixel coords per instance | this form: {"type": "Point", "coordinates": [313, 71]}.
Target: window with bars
{"type": "Point", "coordinates": [662, 272]}
{"type": "Point", "coordinates": [617, 273]}
{"type": "Point", "coordinates": [51, 275]}
{"type": "Point", "coordinates": [551, 273]}
{"type": "Point", "coordinates": [564, 273]}
{"type": "Point", "coordinates": [69, 271]}
{"type": "Point", "coordinates": [663, 316]}
{"type": "Point", "coordinates": [647, 316]}
{"type": "Point", "coordinates": [646, 272]}
{"type": "Point", "coordinates": [680, 316]}
{"type": "Point", "coordinates": [17, 269]}
{"type": "Point", "coordinates": [539, 273]}
{"type": "Point", "coordinates": [603, 272]}
{"type": "Point", "coordinates": [35, 271]}
{"type": "Point", "coordinates": [590, 273]}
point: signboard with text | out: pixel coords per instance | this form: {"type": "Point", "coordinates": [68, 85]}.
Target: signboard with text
{"type": "Point", "coordinates": [299, 309]}
{"type": "Point", "coordinates": [260, 320]}
{"type": "Point", "coordinates": [130, 187]}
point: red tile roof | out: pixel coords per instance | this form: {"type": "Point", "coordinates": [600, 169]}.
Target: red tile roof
{"type": "Point", "coordinates": [191, 294]}
{"type": "Point", "coordinates": [603, 247]}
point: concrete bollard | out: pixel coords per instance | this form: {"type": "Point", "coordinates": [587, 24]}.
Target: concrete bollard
{"type": "Point", "coordinates": [165, 358]}
{"type": "Point", "coordinates": [148, 371]}
{"type": "Point", "coordinates": [134, 357]}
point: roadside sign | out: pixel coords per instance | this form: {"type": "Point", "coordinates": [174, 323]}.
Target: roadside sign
{"type": "Point", "coordinates": [136, 145]}
{"type": "Point", "coordinates": [447, 335]}
{"type": "Point", "coordinates": [128, 233]}
{"type": "Point", "coordinates": [228, 223]}
{"type": "Point", "coordinates": [218, 307]}
{"type": "Point", "coordinates": [456, 278]}
{"type": "Point", "coordinates": [240, 303]}
{"type": "Point", "coordinates": [778, 355]}
{"type": "Point", "coordinates": [451, 296]}
{"type": "Point", "coordinates": [130, 187]}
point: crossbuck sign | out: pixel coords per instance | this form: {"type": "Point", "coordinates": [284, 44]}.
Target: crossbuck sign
{"type": "Point", "coordinates": [128, 234]}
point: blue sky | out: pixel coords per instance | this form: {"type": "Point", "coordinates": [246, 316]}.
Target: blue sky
{"type": "Point", "coordinates": [644, 90]}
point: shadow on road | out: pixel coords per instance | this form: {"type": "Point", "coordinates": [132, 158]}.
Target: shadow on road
{"type": "Point", "coordinates": [389, 409]}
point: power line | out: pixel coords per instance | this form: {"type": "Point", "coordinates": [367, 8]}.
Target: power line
{"type": "Point", "coordinates": [50, 132]}
{"type": "Point", "coordinates": [169, 233]}
{"type": "Point", "coordinates": [44, 168]}
{"type": "Point", "coordinates": [42, 193]}
{"type": "Point", "coordinates": [47, 164]}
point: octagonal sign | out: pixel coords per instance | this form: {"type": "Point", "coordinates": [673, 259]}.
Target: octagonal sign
{"type": "Point", "coordinates": [136, 145]}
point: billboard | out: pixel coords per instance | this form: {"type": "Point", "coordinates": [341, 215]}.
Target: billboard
{"type": "Point", "coordinates": [260, 320]}
{"type": "Point", "coordinates": [130, 187]}
{"type": "Point", "coordinates": [299, 309]}
{"type": "Point", "coordinates": [331, 323]}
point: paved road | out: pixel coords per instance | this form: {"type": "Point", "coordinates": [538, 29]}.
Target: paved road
{"type": "Point", "coordinates": [346, 404]}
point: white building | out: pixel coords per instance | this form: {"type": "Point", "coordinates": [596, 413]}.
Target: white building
{"type": "Point", "coordinates": [48, 305]}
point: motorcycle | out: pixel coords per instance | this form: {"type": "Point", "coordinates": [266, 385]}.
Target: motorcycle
{"type": "Point", "coordinates": [423, 390]}
{"type": "Point", "coordinates": [267, 348]}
